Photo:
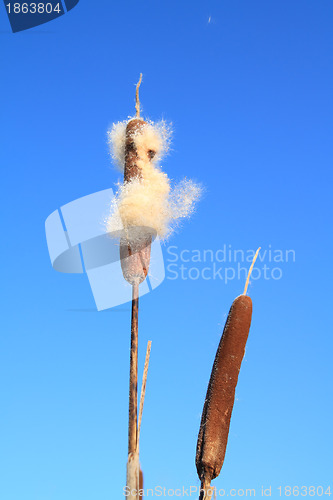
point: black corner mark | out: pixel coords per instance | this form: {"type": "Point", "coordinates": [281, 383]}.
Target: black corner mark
{"type": "Point", "coordinates": [24, 15]}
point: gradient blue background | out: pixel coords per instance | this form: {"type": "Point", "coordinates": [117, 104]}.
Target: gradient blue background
{"type": "Point", "coordinates": [250, 97]}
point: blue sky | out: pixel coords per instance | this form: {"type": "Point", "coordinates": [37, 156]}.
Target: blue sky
{"type": "Point", "coordinates": [248, 88]}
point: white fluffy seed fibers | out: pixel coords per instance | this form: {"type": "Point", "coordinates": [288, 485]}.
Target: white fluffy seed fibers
{"type": "Point", "coordinates": [149, 201]}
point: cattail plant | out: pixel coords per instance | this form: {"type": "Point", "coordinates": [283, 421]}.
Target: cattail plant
{"type": "Point", "coordinates": [146, 206]}
{"type": "Point", "coordinates": [216, 415]}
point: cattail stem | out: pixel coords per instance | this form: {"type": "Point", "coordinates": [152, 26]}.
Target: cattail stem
{"type": "Point", "coordinates": [133, 467]}
{"type": "Point", "coordinates": [250, 271]}
{"type": "Point", "coordinates": [137, 101]}
{"type": "Point", "coordinates": [133, 458]}
{"type": "Point", "coordinates": [133, 385]}
{"type": "Point", "coordinates": [206, 491]}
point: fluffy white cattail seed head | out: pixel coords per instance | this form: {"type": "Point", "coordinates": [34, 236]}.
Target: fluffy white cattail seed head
{"type": "Point", "coordinates": [147, 200]}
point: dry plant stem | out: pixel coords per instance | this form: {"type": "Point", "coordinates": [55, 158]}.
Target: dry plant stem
{"type": "Point", "coordinates": [133, 458]}
{"type": "Point", "coordinates": [140, 482]}
{"type": "Point", "coordinates": [250, 271]}
{"type": "Point", "coordinates": [142, 400]}
{"type": "Point", "coordinates": [143, 387]}
{"type": "Point", "coordinates": [206, 491]}
{"type": "Point", "coordinates": [137, 101]}
{"type": "Point", "coordinates": [133, 385]}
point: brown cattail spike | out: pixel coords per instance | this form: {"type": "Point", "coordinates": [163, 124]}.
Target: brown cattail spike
{"type": "Point", "coordinates": [216, 415]}
{"type": "Point", "coordinates": [132, 170]}
{"type": "Point", "coordinates": [135, 246]}
{"type": "Point", "coordinates": [214, 429]}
